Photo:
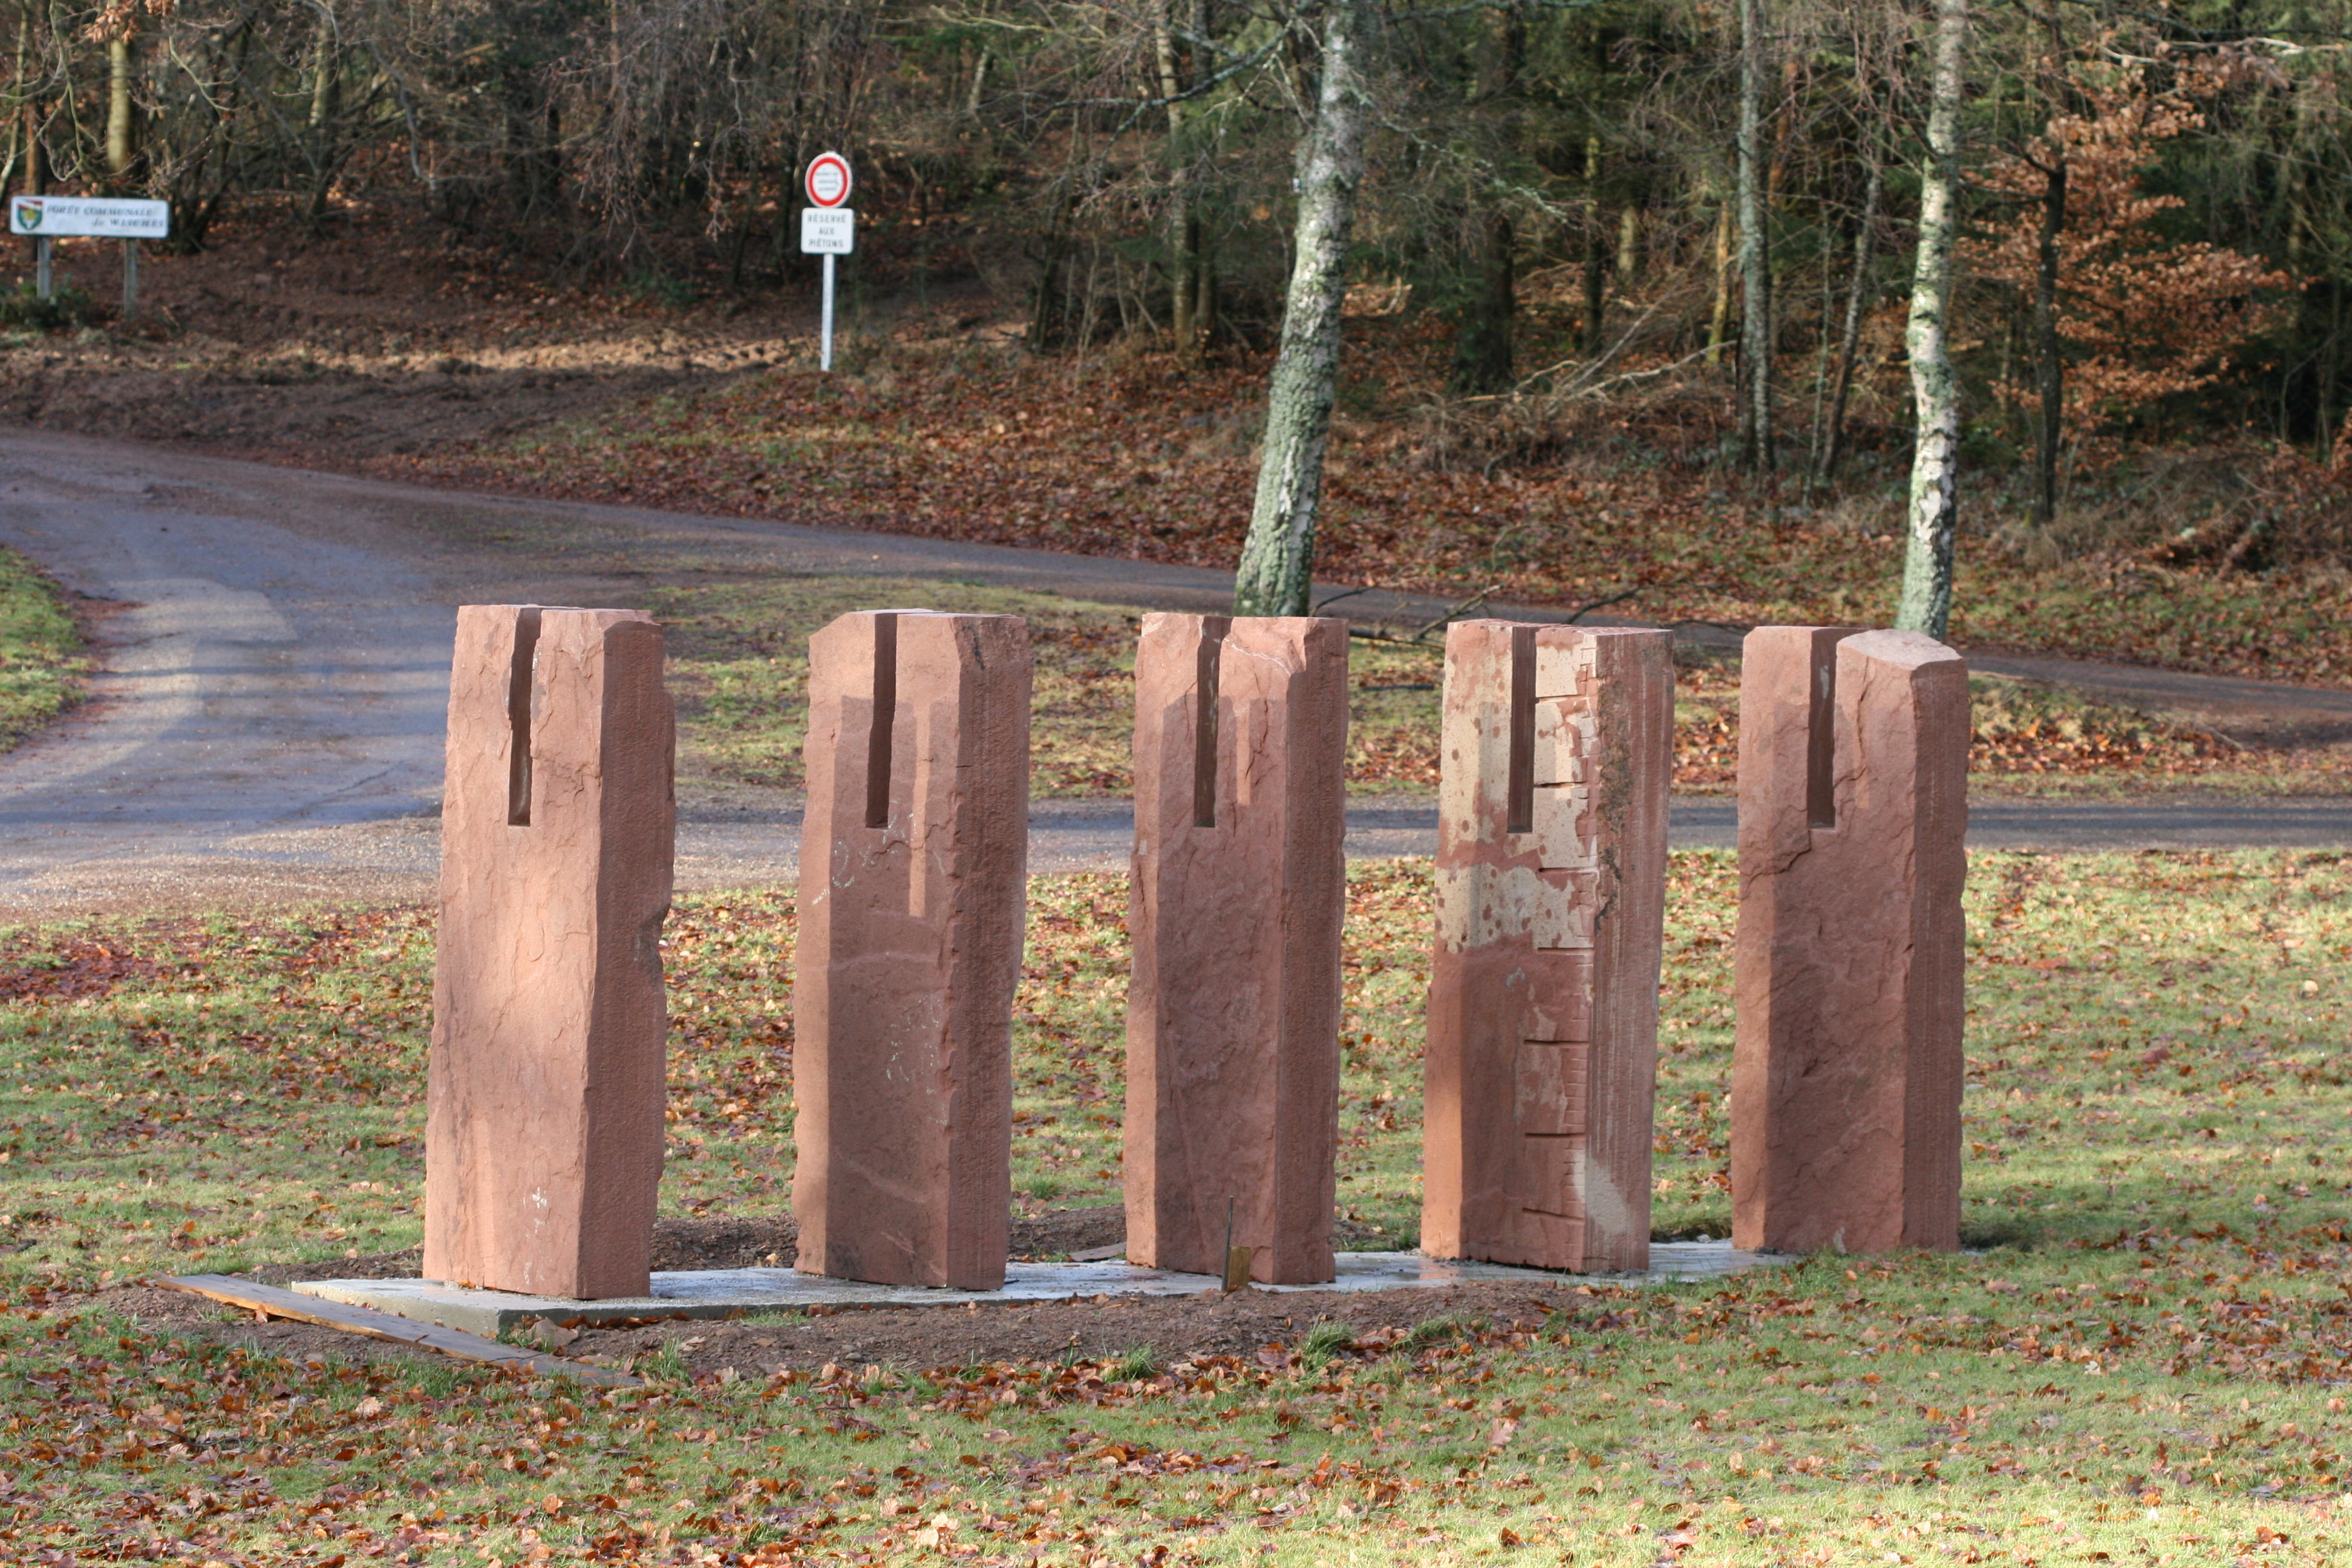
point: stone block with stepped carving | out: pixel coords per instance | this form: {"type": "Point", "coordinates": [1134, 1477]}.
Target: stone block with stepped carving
{"type": "Point", "coordinates": [914, 853]}
{"type": "Point", "coordinates": [1847, 1070]}
{"type": "Point", "coordinates": [1543, 997]}
{"type": "Point", "coordinates": [543, 1123]}
{"type": "Point", "coordinates": [1239, 890]}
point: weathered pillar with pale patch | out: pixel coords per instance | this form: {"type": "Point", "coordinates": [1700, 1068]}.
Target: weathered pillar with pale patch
{"type": "Point", "coordinates": [914, 858]}
{"type": "Point", "coordinates": [543, 1121]}
{"type": "Point", "coordinates": [1543, 995]}
{"type": "Point", "coordinates": [1234, 910]}
{"type": "Point", "coordinates": [1847, 1070]}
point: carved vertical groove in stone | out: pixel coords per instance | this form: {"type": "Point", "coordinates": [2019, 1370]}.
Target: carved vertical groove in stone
{"type": "Point", "coordinates": [1847, 1066]}
{"type": "Point", "coordinates": [543, 1121]}
{"type": "Point", "coordinates": [1210, 655]}
{"type": "Point", "coordinates": [521, 663]}
{"type": "Point", "coordinates": [1233, 1019]}
{"type": "Point", "coordinates": [1543, 988]}
{"type": "Point", "coordinates": [913, 860]}
{"type": "Point", "coordinates": [883, 714]}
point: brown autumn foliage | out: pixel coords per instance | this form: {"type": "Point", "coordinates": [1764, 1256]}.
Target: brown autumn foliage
{"type": "Point", "coordinates": [2144, 315]}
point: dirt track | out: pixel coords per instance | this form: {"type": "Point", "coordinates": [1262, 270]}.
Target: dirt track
{"type": "Point", "coordinates": [269, 722]}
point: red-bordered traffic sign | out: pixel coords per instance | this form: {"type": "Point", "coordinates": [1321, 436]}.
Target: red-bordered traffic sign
{"type": "Point", "coordinates": [828, 180]}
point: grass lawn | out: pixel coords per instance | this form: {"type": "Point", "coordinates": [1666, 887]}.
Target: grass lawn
{"type": "Point", "coordinates": [2144, 1363]}
{"type": "Point", "coordinates": [739, 667]}
{"type": "Point", "coordinates": [42, 664]}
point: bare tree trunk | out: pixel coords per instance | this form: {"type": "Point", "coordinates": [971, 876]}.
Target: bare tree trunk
{"type": "Point", "coordinates": [1755, 279]}
{"type": "Point", "coordinates": [1277, 561]}
{"type": "Point", "coordinates": [121, 145]}
{"type": "Point", "coordinates": [1483, 332]}
{"type": "Point", "coordinates": [1596, 249]}
{"type": "Point", "coordinates": [1629, 245]}
{"type": "Point", "coordinates": [326, 109]}
{"type": "Point", "coordinates": [1814, 436]}
{"type": "Point", "coordinates": [1718, 325]}
{"type": "Point", "coordinates": [1926, 602]}
{"type": "Point", "coordinates": [1482, 341]}
{"type": "Point", "coordinates": [1183, 223]}
{"type": "Point", "coordinates": [2049, 368]}
{"type": "Point", "coordinates": [20, 120]}
{"type": "Point", "coordinates": [2329, 358]}
{"type": "Point", "coordinates": [1857, 305]}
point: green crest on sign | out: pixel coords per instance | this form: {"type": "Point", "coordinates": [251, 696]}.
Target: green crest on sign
{"type": "Point", "coordinates": [29, 218]}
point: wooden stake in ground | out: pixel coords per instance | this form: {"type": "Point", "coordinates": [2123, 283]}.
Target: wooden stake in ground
{"type": "Point", "coordinates": [1543, 997]}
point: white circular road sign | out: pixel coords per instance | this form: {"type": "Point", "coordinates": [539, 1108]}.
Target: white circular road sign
{"type": "Point", "coordinates": [827, 181]}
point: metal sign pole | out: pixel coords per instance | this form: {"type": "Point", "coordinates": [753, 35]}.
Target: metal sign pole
{"type": "Point", "coordinates": [824, 361]}
{"type": "Point", "coordinates": [41, 266]}
{"type": "Point", "coordinates": [130, 279]}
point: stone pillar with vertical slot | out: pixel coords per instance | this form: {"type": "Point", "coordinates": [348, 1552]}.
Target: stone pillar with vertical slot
{"type": "Point", "coordinates": [1234, 910]}
{"type": "Point", "coordinates": [544, 1121]}
{"type": "Point", "coordinates": [914, 858]}
{"type": "Point", "coordinates": [1543, 995]}
{"type": "Point", "coordinates": [1847, 1067]}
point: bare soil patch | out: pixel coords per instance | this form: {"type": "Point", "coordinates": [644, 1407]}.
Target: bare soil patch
{"type": "Point", "coordinates": [918, 1338]}
{"type": "Point", "coordinates": [383, 337]}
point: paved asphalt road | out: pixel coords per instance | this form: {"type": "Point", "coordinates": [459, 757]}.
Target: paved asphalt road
{"type": "Point", "coordinates": [268, 723]}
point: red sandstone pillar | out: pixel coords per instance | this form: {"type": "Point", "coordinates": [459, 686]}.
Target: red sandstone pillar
{"type": "Point", "coordinates": [1846, 1075]}
{"type": "Point", "coordinates": [1239, 887]}
{"type": "Point", "coordinates": [914, 855]}
{"type": "Point", "coordinates": [1543, 995]}
{"type": "Point", "coordinates": [543, 1121]}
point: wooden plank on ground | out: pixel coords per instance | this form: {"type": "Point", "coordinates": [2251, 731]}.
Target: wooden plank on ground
{"type": "Point", "coordinates": [272, 1301]}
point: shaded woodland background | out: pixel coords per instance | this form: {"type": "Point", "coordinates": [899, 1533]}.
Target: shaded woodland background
{"type": "Point", "coordinates": [2150, 321]}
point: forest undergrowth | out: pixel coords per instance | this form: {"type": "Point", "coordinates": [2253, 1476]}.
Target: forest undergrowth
{"type": "Point", "coordinates": [1124, 454]}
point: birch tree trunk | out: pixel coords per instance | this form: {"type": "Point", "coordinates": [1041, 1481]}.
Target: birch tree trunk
{"type": "Point", "coordinates": [1926, 602]}
{"type": "Point", "coordinates": [1278, 557]}
{"type": "Point", "coordinates": [1756, 286]}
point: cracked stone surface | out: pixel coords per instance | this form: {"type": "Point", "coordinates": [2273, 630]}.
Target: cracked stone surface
{"type": "Point", "coordinates": [1235, 904]}
{"type": "Point", "coordinates": [543, 1121]}
{"type": "Point", "coordinates": [1543, 1012]}
{"type": "Point", "coordinates": [1847, 1067]}
{"type": "Point", "coordinates": [909, 946]}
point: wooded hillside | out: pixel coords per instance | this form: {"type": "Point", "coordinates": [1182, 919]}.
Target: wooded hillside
{"type": "Point", "coordinates": [1677, 229]}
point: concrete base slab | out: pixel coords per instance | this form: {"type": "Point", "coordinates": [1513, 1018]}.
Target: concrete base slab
{"type": "Point", "coordinates": [736, 1292]}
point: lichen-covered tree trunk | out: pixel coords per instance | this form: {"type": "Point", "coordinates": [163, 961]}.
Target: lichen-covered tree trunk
{"type": "Point", "coordinates": [1278, 557]}
{"type": "Point", "coordinates": [1927, 604]}
{"type": "Point", "coordinates": [1755, 280]}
